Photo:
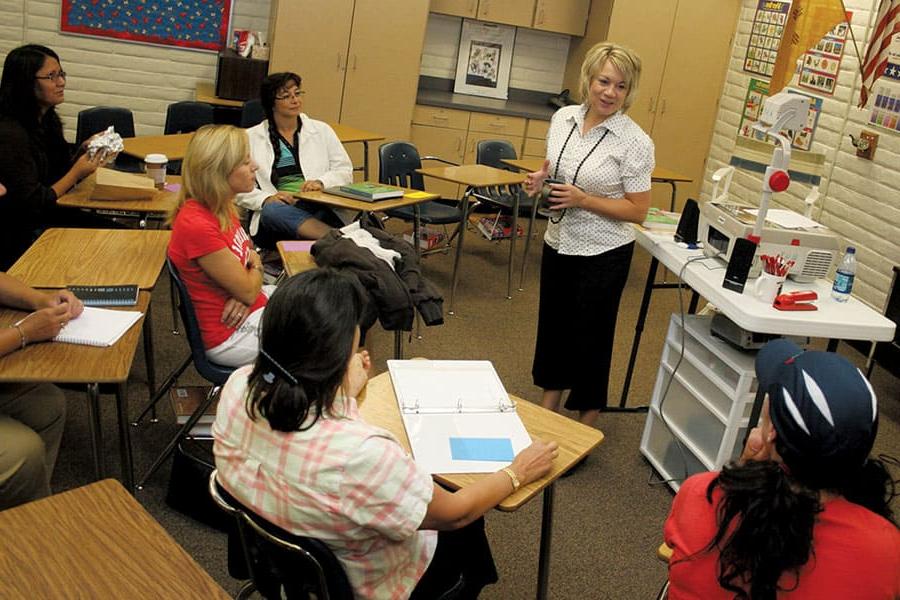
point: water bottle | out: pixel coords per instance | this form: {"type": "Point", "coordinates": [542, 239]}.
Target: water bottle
{"type": "Point", "coordinates": [843, 278]}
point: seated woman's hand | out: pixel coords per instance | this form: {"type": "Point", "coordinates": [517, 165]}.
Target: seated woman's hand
{"type": "Point", "coordinates": [357, 373]}
{"type": "Point", "coordinates": [534, 181]}
{"type": "Point", "coordinates": [45, 324]}
{"type": "Point", "coordinates": [756, 447]}
{"type": "Point", "coordinates": [312, 185]}
{"type": "Point", "coordinates": [283, 197]}
{"type": "Point", "coordinates": [535, 461]}
{"type": "Point", "coordinates": [235, 313]}
{"type": "Point", "coordinates": [74, 305]}
{"type": "Point", "coordinates": [85, 165]}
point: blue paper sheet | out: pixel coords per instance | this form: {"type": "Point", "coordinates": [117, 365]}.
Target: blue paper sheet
{"type": "Point", "coordinates": [493, 449]}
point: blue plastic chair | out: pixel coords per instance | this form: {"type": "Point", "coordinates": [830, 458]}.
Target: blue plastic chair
{"type": "Point", "coordinates": [252, 113]}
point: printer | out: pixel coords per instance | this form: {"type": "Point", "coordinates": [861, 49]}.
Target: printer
{"type": "Point", "coordinates": [814, 249]}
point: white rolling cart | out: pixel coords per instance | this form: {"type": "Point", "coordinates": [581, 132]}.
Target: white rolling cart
{"type": "Point", "coordinates": [707, 406]}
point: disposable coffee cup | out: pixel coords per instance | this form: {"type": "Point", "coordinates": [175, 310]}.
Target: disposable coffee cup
{"type": "Point", "coordinates": [155, 167]}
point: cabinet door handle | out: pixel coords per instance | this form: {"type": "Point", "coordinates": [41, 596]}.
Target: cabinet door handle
{"type": "Point", "coordinates": [540, 20]}
{"type": "Point", "coordinates": [651, 108]}
{"type": "Point", "coordinates": [354, 62]}
{"type": "Point", "coordinates": [662, 107]}
{"type": "Point", "coordinates": [440, 118]}
{"type": "Point", "coordinates": [485, 8]}
{"type": "Point", "coordinates": [472, 6]}
{"type": "Point", "coordinates": [497, 125]}
{"type": "Point", "coordinates": [338, 66]}
{"type": "Point", "coordinates": [459, 143]}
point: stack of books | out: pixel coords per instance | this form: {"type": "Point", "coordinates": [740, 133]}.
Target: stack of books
{"type": "Point", "coordinates": [185, 401]}
{"type": "Point", "coordinates": [497, 227]}
{"type": "Point", "coordinates": [366, 191]}
{"type": "Point", "coordinates": [661, 220]}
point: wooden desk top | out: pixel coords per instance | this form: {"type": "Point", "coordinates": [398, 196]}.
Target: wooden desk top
{"type": "Point", "coordinates": [206, 92]}
{"type": "Point", "coordinates": [173, 145]}
{"type": "Point", "coordinates": [295, 261]}
{"type": "Point", "coordinates": [71, 363]}
{"type": "Point", "coordinates": [64, 257]}
{"type": "Point", "coordinates": [411, 197]}
{"type": "Point", "coordinates": [575, 440]}
{"type": "Point", "coordinates": [534, 164]}
{"type": "Point", "coordinates": [474, 175]}
{"type": "Point", "coordinates": [163, 202]}
{"type": "Point", "coordinates": [95, 542]}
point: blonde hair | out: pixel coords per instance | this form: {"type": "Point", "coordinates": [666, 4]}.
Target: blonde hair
{"type": "Point", "coordinates": [626, 61]}
{"type": "Point", "coordinates": [213, 153]}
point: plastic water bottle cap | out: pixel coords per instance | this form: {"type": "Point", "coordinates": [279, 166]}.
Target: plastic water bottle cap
{"type": "Point", "coordinates": [851, 250]}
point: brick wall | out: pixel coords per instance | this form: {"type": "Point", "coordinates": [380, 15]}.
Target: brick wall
{"type": "Point", "coordinates": [860, 198]}
{"type": "Point", "coordinates": [141, 77]}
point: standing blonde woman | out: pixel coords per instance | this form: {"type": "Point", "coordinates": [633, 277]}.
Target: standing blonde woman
{"type": "Point", "coordinates": [605, 160]}
{"type": "Point", "coordinates": [210, 249]}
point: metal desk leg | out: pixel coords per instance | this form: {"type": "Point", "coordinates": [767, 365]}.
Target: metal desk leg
{"type": "Point", "coordinates": [672, 201]}
{"type": "Point", "coordinates": [534, 207]}
{"type": "Point", "coordinates": [546, 533]}
{"type": "Point", "coordinates": [754, 413]}
{"type": "Point", "coordinates": [366, 161]}
{"type": "Point", "coordinates": [464, 212]}
{"type": "Point", "coordinates": [149, 359]}
{"type": "Point", "coordinates": [173, 301]}
{"type": "Point", "coordinates": [832, 345]}
{"type": "Point", "coordinates": [512, 247]}
{"type": "Point", "coordinates": [125, 437]}
{"type": "Point", "coordinates": [93, 398]}
{"type": "Point", "coordinates": [398, 344]}
{"type": "Point", "coordinates": [639, 328]}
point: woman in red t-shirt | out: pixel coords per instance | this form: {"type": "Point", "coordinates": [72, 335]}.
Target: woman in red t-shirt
{"type": "Point", "coordinates": [210, 249]}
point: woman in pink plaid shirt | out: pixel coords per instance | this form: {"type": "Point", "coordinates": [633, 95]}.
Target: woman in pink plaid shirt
{"type": "Point", "coordinates": [291, 446]}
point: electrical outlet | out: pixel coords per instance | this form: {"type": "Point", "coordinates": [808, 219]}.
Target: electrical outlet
{"type": "Point", "coordinates": [868, 142]}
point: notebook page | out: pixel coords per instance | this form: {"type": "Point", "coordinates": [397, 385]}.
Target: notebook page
{"type": "Point", "coordinates": [98, 326]}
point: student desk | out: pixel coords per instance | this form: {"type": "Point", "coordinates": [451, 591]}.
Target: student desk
{"type": "Point", "coordinates": [57, 362]}
{"type": "Point", "coordinates": [575, 442]}
{"type": "Point", "coordinates": [206, 92]}
{"type": "Point", "coordinates": [96, 542]}
{"type": "Point", "coordinates": [851, 320]}
{"type": "Point", "coordinates": [363, 207]}
{"type": "Point", "coordinates": [63, 257]}
{"type": "Point", "coordinates": [172, 145]}
{"type": "Point", "coordinates": [473, 177]}
{"type": "Point", "coordinates": [161, 204]}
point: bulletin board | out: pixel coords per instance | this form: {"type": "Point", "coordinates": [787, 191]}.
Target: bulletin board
{"type": "Point", "coordinates": [819, 66]}
{"type": "Point", "coordinates": [197, 24]}
{"type": "Point", "coordinates": [765, 37]}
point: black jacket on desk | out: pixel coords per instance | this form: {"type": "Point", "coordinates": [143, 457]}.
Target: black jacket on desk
{"type": "Point", "coordinates": [29, 164]}
{"type": "Point", "coordinates": [393, 292]}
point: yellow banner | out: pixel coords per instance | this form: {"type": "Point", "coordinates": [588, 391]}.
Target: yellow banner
{"type": "Point", "coordinates": [808, 21]}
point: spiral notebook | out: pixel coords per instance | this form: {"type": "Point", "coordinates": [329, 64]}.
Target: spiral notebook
{"type": "Point", "coordinates": [98, 327]}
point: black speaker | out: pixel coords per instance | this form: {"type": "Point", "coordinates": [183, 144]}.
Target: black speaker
{"type": "Point", "coordinates": [687, 224]}
{"type": "Point", "coordinates": [739, 265]}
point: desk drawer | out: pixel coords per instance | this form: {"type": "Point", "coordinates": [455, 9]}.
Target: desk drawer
{"type": "Point", "coordinates": [483, 122]}
{"type": "Point", "coordinates": [537, 129]}
{"type": "Point", "coordinates": [535, 148]}
{"type": "Point", "coordinates": [440, 117]}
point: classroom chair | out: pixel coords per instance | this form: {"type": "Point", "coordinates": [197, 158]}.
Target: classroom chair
{"type": "Point", "coordinates": [511, 199]}
{"type": "Point", "coordinates": [99, 118]}
{"type": "Point", "coordinates": [185, 117]}
{"type": "Point", "coordinates": [214, 373]}
{"type": "Point", "coordinates": [398, 162]}
{"type": "Point", "coordinates": [252, 113]}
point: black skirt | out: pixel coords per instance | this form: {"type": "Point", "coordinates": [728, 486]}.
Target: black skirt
{"type": "Point", "coordinates": [579, 305]}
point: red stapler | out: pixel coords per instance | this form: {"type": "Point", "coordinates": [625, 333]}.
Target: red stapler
{"type": "Point", "coordinates": [799, 300]}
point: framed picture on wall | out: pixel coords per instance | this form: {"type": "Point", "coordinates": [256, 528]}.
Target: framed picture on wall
{"type": "Point", "coordinates": [485, 57]}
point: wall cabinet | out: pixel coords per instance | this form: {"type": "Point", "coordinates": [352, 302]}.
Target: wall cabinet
{"type": "Point", "coordinates": [363, 80]}
{"type": "Point", "coordinates": [561, 16]}
{"type": "Point", "coordinates": [707, 406]}
{"type": "Point", "coordinates": [535, 145]}
{"type": "Point", "coordinates": [682, 75]}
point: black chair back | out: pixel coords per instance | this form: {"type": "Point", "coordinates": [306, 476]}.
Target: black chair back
{"type": "Point", "coordinates": [187, 116]}
{"type": "Point", "coordinates": [252, 113]}
{"type": "Point", "coordinates": [491, 152]}
{"type": "Point", "coordinates": [279, 560]}
{"type": "Point", "coordinates": [97, 119]}
{"type": "Point", "coordinates": [398, 162]}
{"type": "Point", "coordinates": [215, 373]}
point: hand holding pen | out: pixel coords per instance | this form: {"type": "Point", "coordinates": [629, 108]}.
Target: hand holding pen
{"type": "Point", "coordinates": [43, 324]}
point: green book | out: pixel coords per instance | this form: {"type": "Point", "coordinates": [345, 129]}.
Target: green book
{"type": "Point", "coordinates": [372, 191]}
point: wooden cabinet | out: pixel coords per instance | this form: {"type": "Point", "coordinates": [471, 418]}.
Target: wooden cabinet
{"type": "Point", "coordinates": [483, 126]}
{"type": "Point", "coordinates": [440, 132]}
{"type": "Point", "coordinates": [535, 145]}
{"type": "Point", "coordinates": [355, 71]}
{"type": "Point", "coordinates": [561, 16]}
{"type": "Point", "coordinates": [682, 75]}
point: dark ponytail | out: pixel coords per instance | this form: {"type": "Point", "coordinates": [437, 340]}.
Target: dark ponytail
{"type": "Point", "coordinates": [765, 527]}
{"type": "Point", "coordinates": [873, 487]}
{"type": "Point", "coordinates": [306, 339]}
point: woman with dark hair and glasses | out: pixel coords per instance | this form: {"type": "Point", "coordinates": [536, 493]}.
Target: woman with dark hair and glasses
{"type": "Point", "coordinates": [36, 162]}
{"type": "Point", "coordinates": [290, 445]}
{"type": "Point", "coordinates": [294, 153]}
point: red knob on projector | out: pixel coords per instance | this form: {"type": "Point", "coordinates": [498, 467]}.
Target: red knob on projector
{"type": "Point", "coordinates": [779, 181]}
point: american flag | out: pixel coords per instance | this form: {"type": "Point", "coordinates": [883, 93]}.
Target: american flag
{"type": "Point", "coordinates": [887, 26]}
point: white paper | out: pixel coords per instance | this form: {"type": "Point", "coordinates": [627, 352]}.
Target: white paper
{"type": "Point", "coordinates": [786, 218]}
{"type": "Point", "coordinates": [98, 326]}
{"type": "Point", "coordinates": [442, 399]}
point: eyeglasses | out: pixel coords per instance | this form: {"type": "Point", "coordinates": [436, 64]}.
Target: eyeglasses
{"type": "Point", "coordinates": [298, 94]}
{"type": "Point", "coordinates": [54, 76]}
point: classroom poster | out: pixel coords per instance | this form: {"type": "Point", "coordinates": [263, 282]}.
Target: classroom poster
{"type": "Point", "coordinates": [885, 111]}
{"type": "Point", "coordinates": [820, 65]}
{"type": "Point", "coordinates": [765, 36]}
{"type": "Point", "coordinates": [198, 24]}
{"type": "Point", "coordinates": [757, 92]}
{"type": "Point", "coordinates": [484, 59]}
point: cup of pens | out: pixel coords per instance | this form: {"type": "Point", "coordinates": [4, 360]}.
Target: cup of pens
{"type": "Point", "coordinates": [774, 271]}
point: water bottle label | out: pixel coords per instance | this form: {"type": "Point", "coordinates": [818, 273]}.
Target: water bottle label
{"type": "Point", "coordinates": [843, 282]}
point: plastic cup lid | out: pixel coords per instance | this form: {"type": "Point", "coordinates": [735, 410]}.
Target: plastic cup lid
{"type": "Point", "coordinates": [156, 158]}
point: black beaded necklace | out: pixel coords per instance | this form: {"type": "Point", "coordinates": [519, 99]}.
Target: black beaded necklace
{"type": "Point", "coordinates": [578, 169]}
